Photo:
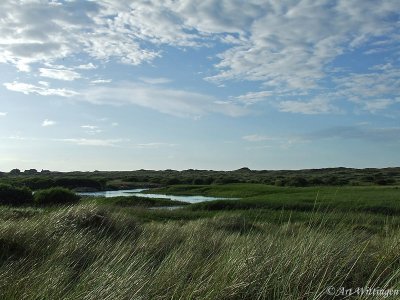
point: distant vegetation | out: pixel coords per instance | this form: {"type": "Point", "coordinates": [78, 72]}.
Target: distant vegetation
{"type": "Point", "coordinates": [146, 178]}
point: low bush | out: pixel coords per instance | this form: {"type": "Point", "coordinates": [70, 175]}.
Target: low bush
{"type": "Point", "coordinates": [11, 195]}
{"type": "Point", "coordinates": [55, 195]}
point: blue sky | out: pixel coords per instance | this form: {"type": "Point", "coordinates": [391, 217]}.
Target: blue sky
{"type": "Point", "coordinates": [205, 84]}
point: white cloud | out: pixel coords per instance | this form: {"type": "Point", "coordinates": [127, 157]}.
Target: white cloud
{"type": "Point", "coordinates": [3, 114]}
{"type": "Point", "coordinates": [28, 88]}
{"type": "Point", "coordinates": [27, 37]}
{"type": "Point", "coordinates": [154, 145]}
{"type": "Point", "coordinates": [378, 104]}
{"type": "Point", "coordinates": [277, 42]}
{"type": "Point", "coordinates": [312, 107]}
{"type": "Point", "coordinates": [257, 138]}
{"type": "Point", "coordinates": [47, 123]}
{"type": "Point", "coordinates": [375, 90]}
{"type": "Point", "coordinates": [160, 80]}
{"type": "Point", "coordinates": [290, 45]}
{"type": "Point", "coordinates": [91, 129]}
{"type": "Point", "coordinates": [374, 134]}
{"type": "Point", "coordinates": [45, 83]}
{"type": "Point", "coordinates": [287, 47]}
{"type": "Point", "coordinates": [254, 97]}
{"type": "Point", "coordinates": [98, 81]}
{"type": "Point", "coordinates": [169, 101]}
{"type": "Point", "coordinates": [89, 66]}
{"type": "Point", "coordinates": [93, 142]}
{"type": "Point", "coordinates": [67, 75]}
{"type": "Point", "coordinates": [114, 124]}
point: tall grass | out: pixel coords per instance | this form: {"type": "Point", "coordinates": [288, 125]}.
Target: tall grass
{"type": "Point", "coordinates": [89, 252]}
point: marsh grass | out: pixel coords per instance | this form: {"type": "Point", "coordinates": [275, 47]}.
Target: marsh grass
{"type": "Point", "coordinates": [92, 251]}
{"type": "Point", "coordinates": [134, 201]}
{"type": "Point", "coordinates": [369, 199]}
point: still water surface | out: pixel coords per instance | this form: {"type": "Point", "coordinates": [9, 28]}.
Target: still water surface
{"type": "Point", "coordinates": [138, 192]}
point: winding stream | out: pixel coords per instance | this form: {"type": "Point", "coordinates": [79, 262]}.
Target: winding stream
{"type": "Point", "coordinates": [138, 192]}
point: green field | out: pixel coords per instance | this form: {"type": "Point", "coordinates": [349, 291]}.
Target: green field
{"type": "Point", "coordinates": [270, 243]}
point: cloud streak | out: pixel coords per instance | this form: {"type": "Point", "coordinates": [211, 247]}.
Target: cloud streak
{"type": "Point", "coordinates": [67, 75]}
{"type": "Point", "coordinates": [169, 101]}
{"type": "Point", "coordinates": [378, 134]}
{"type": "Point", "coordinates": [93, 142]}
{"type": "Point", "coordinates": [257, 138]}
{"type": "Point", "coordinates": [312, 107]}
{"type": "Point", "coordinates": [27, 88]}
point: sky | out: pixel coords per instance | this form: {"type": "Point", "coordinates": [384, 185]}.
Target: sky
{"type": "Point", "coordinates": [201, 84]}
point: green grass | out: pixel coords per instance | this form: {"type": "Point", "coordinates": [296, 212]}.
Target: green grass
{"type": "Point", "coordinates": [384, 200]}
{"type": "Point", "coordinates": [89, 251]}
{"type": "Point", "coordinates": [265, 246]}
{"type": "Point", "coordinates": [134, 201]}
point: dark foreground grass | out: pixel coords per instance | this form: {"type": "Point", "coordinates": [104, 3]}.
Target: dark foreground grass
{"type": "Point", "coordinates": [100, 251]}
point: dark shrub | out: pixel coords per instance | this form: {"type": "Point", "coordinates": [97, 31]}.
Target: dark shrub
{"type": "Point", "coordinates": [15, 172]}
{"type": "Point", "coordinates": [55, 195]}
{"type": "Point", "coordinates": [198, 181]}
{"type": "Point", "coordinates": [71, 182]}
{"type": "Point", "coordinates": [297, 181]}
{"type": "Point", "coordinates": [173, 180]}
{"type": "Point", "coordinates": [280, 182]}
{"type": "Point", "coordinates": [14, 195]}
{"type": "Point", "coordinates": [316, 181]}
{"type": "Point", "coordinates": [226, 180]}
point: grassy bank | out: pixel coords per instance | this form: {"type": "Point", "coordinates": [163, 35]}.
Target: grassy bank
{"type": "Point", "coordinates": [119, 248]}
{"type": "Point", "coordinates": [89, 252]}
{"type": "Point", "coordinates": [373, 199]}
{"type": "Point", "coordinates": [134, 201]}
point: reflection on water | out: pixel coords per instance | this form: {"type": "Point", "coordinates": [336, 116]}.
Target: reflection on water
{"type": "Point", "coordinates": [109, 194]}
{"type": "Point", "coordinates": [165, 207]}
{"type": "Point", "coordinates": [137, 192]}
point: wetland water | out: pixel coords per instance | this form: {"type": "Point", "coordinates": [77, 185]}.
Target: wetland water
{"type": "Point", "coordinates": [138, 192]}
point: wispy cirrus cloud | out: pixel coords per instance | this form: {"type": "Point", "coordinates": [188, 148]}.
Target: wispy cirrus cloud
{"type": "Point", "coordinates": [100, 81]}
{"type": "Point", "coordinates": [154, 145]}
{"type": "Point", "coordinates": [159, 80]}
{"type": "Point", "coordinates": [290, 45]}
{"type": "Point", "coordinates": [312, 107]}
{"type": "Point", "coordinates": [278, 43]}
{"type": "Point", "coordinates": [91, 129]}
{"type": "Point", "coordinates": [257, 138]}
{"type": "Point", "coordinates": [93, 142]}
{"type": "Point", "coordinates": [254, 97]}
{"type": "Point", "coordinates": [285, 47]}
{"type": "Point", "coordinates": [27, 88]}
{"type": "Point", "coordinates": [358, 132]}
{"type": "Point", "coordinates": [376, 105]}
{"type": "Point", "coordinates": [170, 101]}
{"type": "Point", "coordinates": [375, 90]}
{"type": "Point", "coordinates": [89, 66]}
{"type": "Point", "coordinates": [60, 74]}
